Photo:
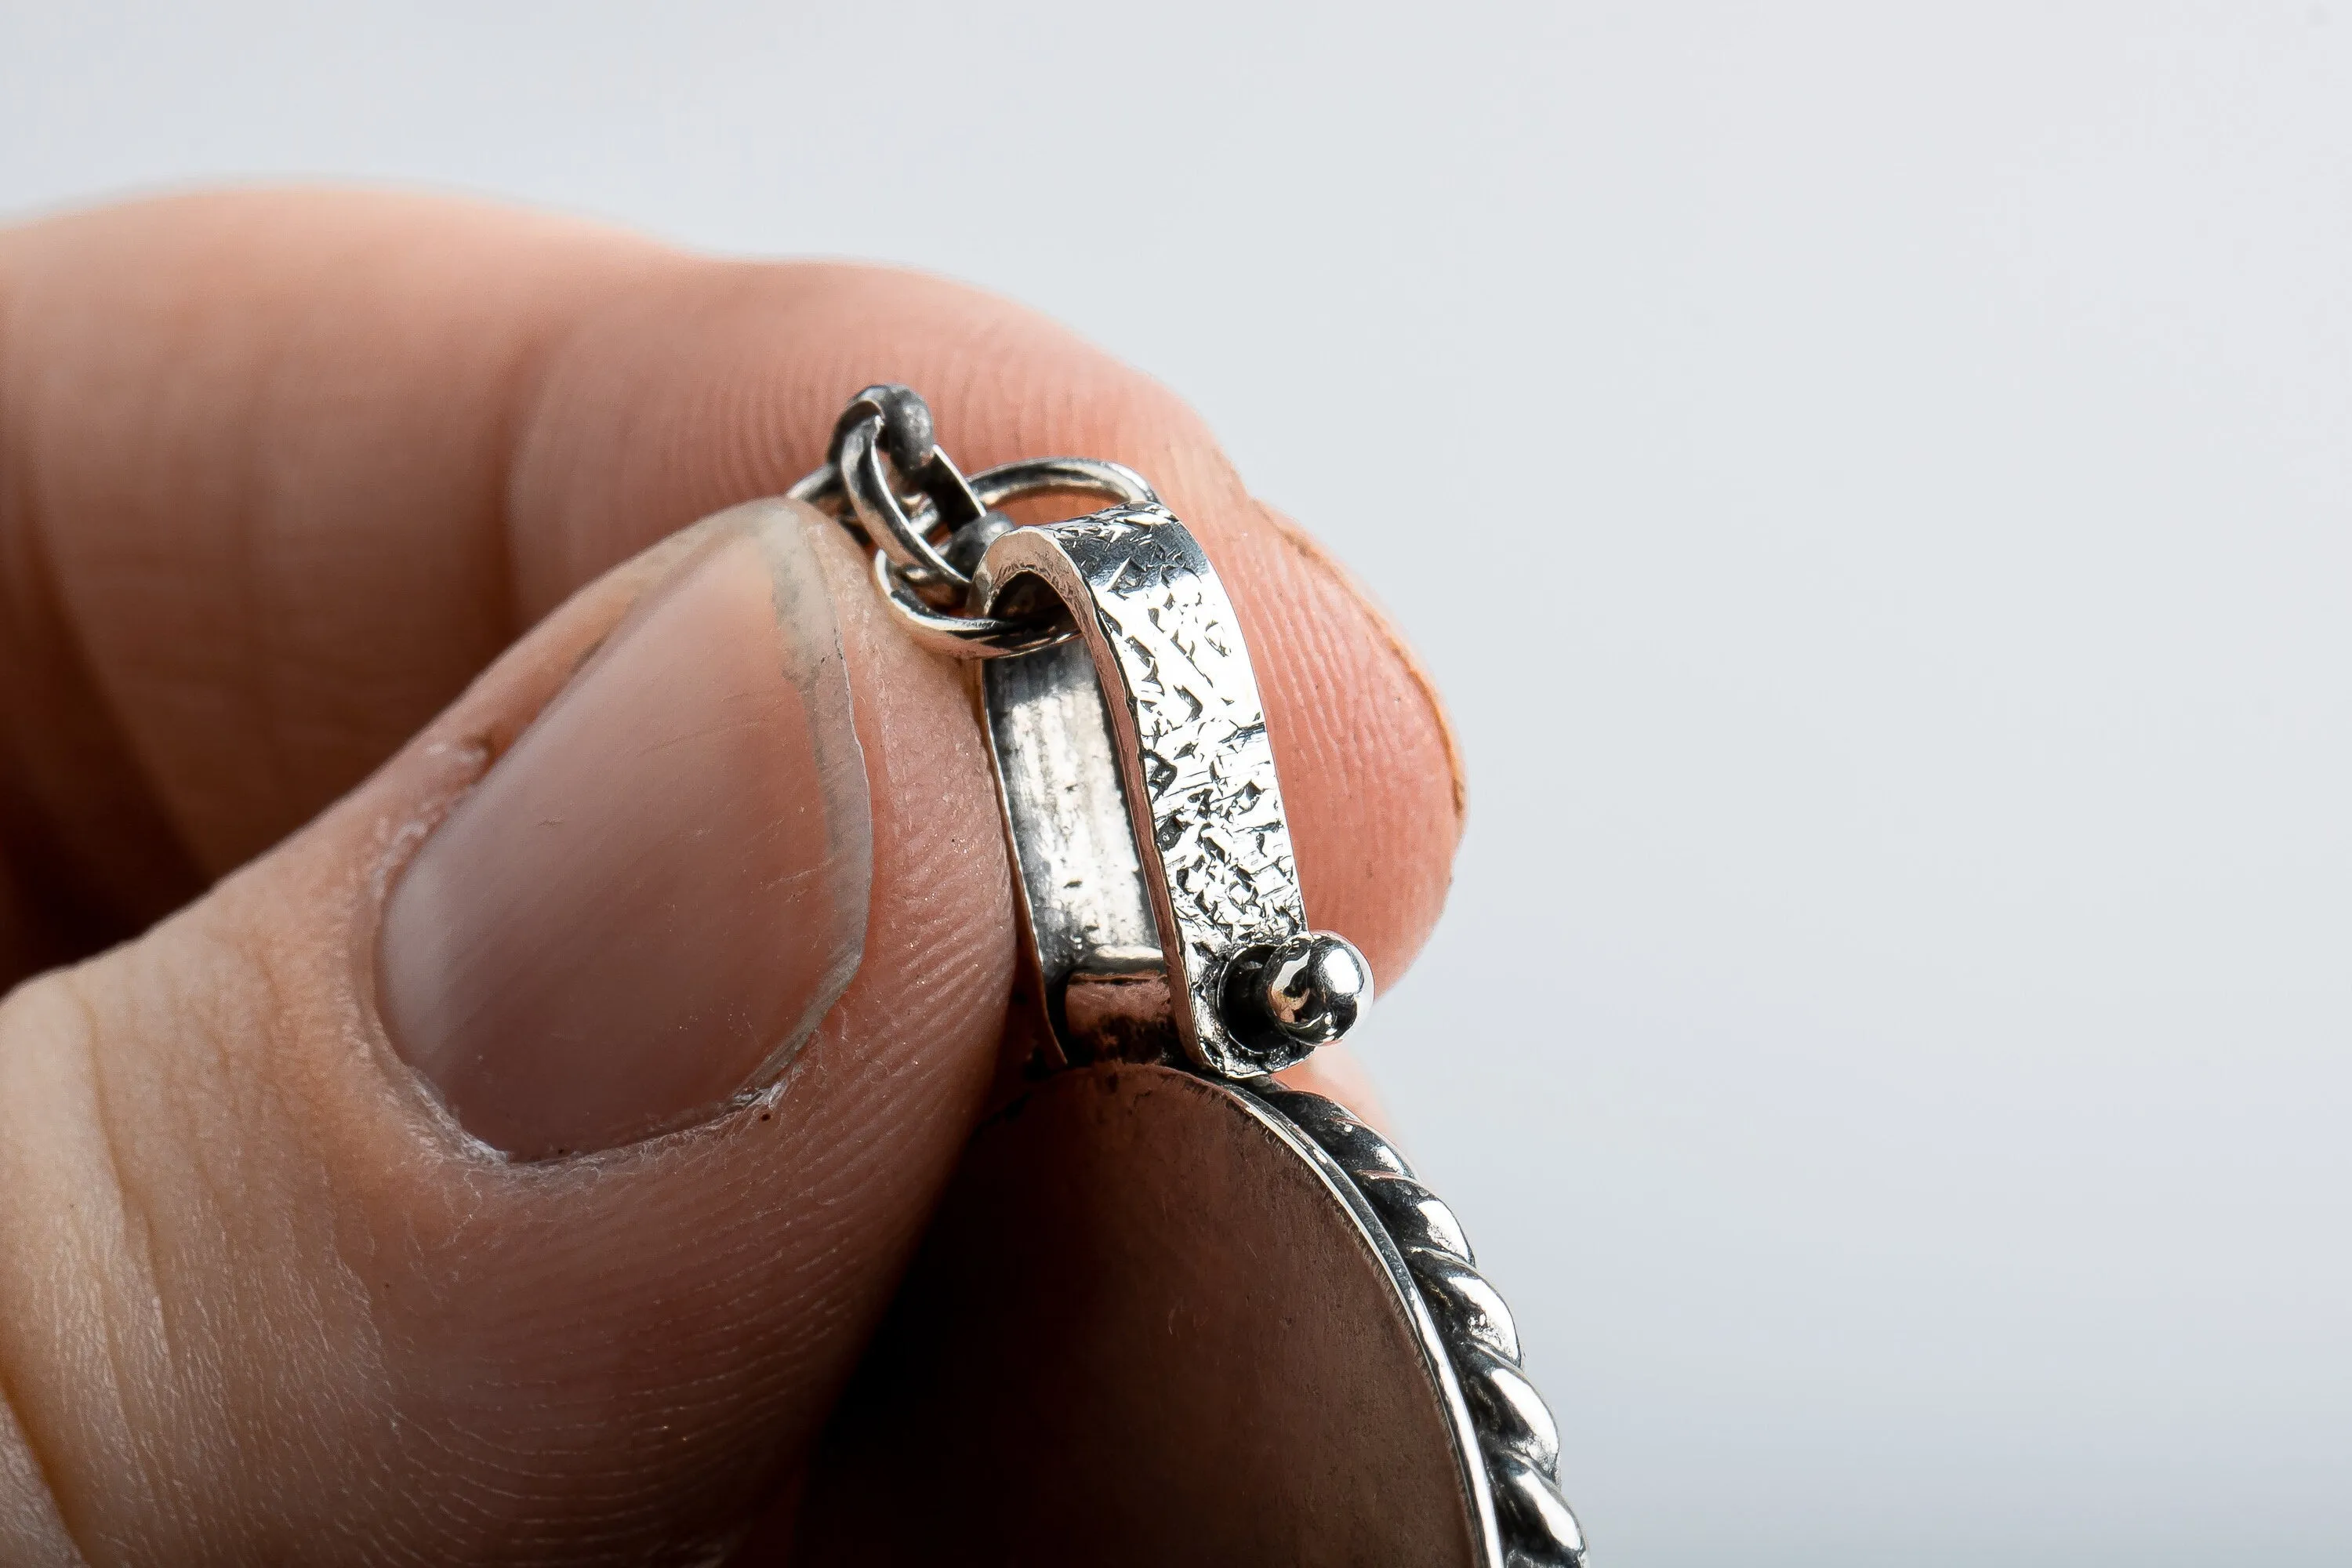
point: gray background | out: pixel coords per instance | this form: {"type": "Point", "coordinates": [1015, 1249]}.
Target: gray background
{"type": "Point", "coordinates": [1874, 486]}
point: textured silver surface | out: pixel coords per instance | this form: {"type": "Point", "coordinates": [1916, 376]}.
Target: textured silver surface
{"type": "Point", "coordinates": [1189, 732]}
{"type": "Point", "coordinates": [1515, 1439]}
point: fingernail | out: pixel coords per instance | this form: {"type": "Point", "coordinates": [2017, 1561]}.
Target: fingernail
{"type": "Point", "coordinates": [650, 899]}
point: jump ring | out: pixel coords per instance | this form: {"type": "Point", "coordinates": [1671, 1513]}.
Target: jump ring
{"type": "Point", "coordinates": [1067, 475]}
{"type": "Point", "coordinates": [911, 572]}
{"type": "Point", "coordinates": [886, 520]}
{"type": "Point", "coordinates": [964, 636]}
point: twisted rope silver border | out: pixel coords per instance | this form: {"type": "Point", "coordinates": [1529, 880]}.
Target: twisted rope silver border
{"type": "Point", "coordinates": [1518, 1438]}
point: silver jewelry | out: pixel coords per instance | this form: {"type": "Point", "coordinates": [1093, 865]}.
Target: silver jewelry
{"type": "Point", "coordinates": [1174, 970]}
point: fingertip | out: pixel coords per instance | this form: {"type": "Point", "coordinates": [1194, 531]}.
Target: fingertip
{"type": "Point", "coordinates": [1372, 771]}
{"type": "Point", "coordinates": [1339, 1075]}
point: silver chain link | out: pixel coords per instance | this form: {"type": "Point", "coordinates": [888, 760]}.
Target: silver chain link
{"type": "Point", "coordinates": [888, 481]}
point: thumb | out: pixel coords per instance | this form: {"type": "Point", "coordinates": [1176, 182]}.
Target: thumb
{"type": "Point", "coordinates": [403, 1199]}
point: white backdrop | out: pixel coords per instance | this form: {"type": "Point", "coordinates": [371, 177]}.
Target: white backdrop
{"type": "Point", "coordinates": [1876, 490]}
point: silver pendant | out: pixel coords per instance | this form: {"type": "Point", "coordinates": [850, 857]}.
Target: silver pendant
{"type": "Point", "coordinates": [1169, 1310]}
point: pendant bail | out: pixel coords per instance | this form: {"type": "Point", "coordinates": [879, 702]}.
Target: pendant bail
{"type": "Point", "coordinates": [1165, 922]}
{"type": "Point", "coordinates": [1146, 820]}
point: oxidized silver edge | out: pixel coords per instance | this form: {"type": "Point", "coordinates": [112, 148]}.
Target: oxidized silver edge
{"type": "Point", "coordinates": [1511, 1429]}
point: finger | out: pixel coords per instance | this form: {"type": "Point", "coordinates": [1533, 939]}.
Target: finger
{"type": "Point", "coordinates": [1336, 1073]}
{"type": "Point", "coordinates": [284, 469]}
{"type": "Point", "coordinates": [246, 1251]}
{"type": "Point", "coordinates": [278, 1247]}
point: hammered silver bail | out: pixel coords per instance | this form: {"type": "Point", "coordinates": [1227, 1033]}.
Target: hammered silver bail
{"type": "Point", "coordinates": [1145, 815]}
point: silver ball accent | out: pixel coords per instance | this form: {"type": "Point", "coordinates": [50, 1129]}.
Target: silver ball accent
{"type": "Point", "coordinates": [1315, 986]}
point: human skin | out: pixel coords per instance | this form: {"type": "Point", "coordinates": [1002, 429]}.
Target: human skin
{"type": "Point", "coordinates": [311, 503]}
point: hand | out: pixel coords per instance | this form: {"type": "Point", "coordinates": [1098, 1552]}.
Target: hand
{"type": "Point", "coordinates": [391, 1201]}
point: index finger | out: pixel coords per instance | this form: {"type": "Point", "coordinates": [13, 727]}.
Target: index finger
{"type": "Point", "coordinates": [284, 469]}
